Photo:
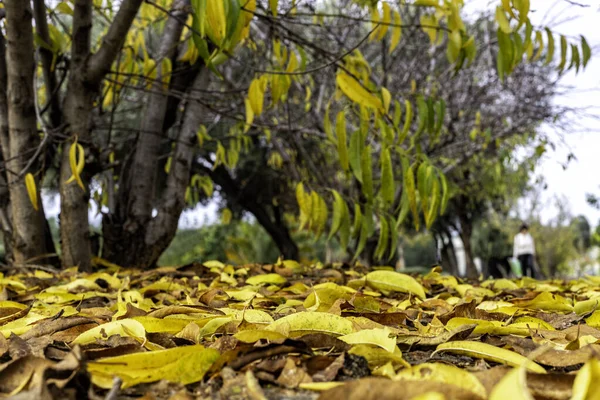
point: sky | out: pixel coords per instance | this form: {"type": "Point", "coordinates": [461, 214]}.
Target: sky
{"type": "Point", "coordinates": [582, 174]}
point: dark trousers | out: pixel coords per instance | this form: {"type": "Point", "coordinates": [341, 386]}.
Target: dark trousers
{"type": "Point", "coordinates": [526, 261]}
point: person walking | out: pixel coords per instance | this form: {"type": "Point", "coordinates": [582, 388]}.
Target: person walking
{"type": "Point", "coordinates": [524, 250]}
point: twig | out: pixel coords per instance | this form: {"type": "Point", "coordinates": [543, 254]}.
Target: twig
{"type": "Point", "coordinates": [113, 393]}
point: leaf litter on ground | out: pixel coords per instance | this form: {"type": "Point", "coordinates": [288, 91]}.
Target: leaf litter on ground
{"type": "Point", "coordinates": [287, 331]}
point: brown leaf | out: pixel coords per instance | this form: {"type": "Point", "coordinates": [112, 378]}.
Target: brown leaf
{"type": "Point", "coordinates": [324, 341]}
{"type": "Point", "coordinates": [216, 298]}
{"type": "Point", "coordinates": [292, 375]}
{"type": "Point", "coordinates": [132, 311]}
{"type": "Point", "coordinates": [22, 373]}
{"type": "Point", "coordinates": [330, 372]}
{"type": "Point", "coordinates": [50, 326]}
{"type": "Point", "coordinates": [460, 333]}
{"type": "Point", "coordinates": [384, 389]}
{"type": "Point", "coordinates": [541, 386]}
{"type": "Point", "coordinates": [170, 310]}
{"type": "Point", "coordinates": [17, 347]}
{"type": "Point", "coordinates": [393, 319]}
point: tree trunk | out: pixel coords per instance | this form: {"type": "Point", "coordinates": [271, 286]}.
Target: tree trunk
{"type": "Point", "coordinates": [466, 231]}
{"type": "Point", "coordinates": [28, 237]}
{"type": "Point", "coordinates": [74, 224]}
{"type": "Point", "coordinates": [274, 226]}
{"type": "Point", "coordinates": [129, 237]}
{"type": "Point", "coordinates": [449, 262]}
{"type": "Point", "coordinates": [86, 74]}
{"type": "Point", "coordinates": [144, 251]}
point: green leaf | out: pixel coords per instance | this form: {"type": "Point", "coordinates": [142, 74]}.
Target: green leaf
{"type": "Point", "coordinates": [550, 51]}
{"type": "Point", "coordinates": [407, 121]}
{"type": "Point", "coordinates": [393, 237]}
{"type": "Point", "coordinates": [388, 189]}
{"type": "Point", "coordinates": [575, 60]}
{"type": "Point", "coordinates": [342, 143]}
{"type": "Point", "coordinates": [383, 238]}
{"type": "Point", "coordinates": [357, 220]}
{"type": "Point", "coordinates": [445, 192]}
{"type": "Point", "coordinates": [356, 145]}
{"type": "Point", "coordinates": [367, 173]}
{"type": "Point", "coordinates": [502, 21]}
{"type": "Point", "coordinates": [563, 53]}
{"type": "Point", "coordinates": [233, 14]}
{"type": "Point", "coordinates": [327, 125]}
{"type": "Point", "coordinates": [364, 235]}
{"type": "Point", "coordinates": [397, 114]}
{"type": "Point", "coordinates": [585, 51]}
{"type": "Point", "coordinates": [339, 206]}
{"type": "Point", "coordinates": [423, 112]}
{"type": "Point", "coordinates": [454, 46]}
{"type": "Point", "coordinates": [409, 187]}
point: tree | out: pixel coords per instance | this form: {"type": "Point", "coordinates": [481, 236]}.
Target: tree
{"type": "Point", "coordinates": [175, 61]}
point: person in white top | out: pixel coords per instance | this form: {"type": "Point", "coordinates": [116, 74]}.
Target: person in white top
{"type": "Point", "coordinates": [524, 250]}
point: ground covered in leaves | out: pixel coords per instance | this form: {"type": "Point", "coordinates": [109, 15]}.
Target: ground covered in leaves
{"type": "Point", "coordinates": [287, 331]}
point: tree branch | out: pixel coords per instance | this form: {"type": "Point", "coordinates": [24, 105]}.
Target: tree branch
{"type": "Point", "coordinates": [100, 62]}
{"type": "Point", "coordinates": [46, 56]}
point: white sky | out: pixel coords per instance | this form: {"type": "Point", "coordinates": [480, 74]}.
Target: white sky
{"type": "Point", "coordinates": [583, 174]}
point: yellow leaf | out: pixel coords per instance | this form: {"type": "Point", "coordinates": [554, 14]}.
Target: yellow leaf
{"type": "Point", "coordinates": [396, 32]}
{"type": "Point", "coordinates": [430, 396]}
{"type": "Point", "coordinates": [76, 162]}
{"type": "Point", "coordinates": [32, 190]}
{"type": "Point", "coordinates": [168, 325]}
{"type": "Point", "coordinates": [319, 386]}
{"type": "Point", "coordinates": [394, 282]}
{"type": "Point", "coordinates": [512, 386]}
{"type": "Point", "coordinates": [376, 356]}
{"type": "Point", "coordinates": [124, 327]}
{"type": "Point", "coordinates": [547, 302]}
{"type": "Point", "coordinates": [377, 337]}
{"type": "Point", "coordinates": [489, 352]}
{"type": "Point", "coordinates": [586, 385]}
{"type": "Point", "coordinates": [249, 115]}
{"type": "Point", "coordinates": [256, 96]}
{"type": "Point", "coordinates": [502, 21]}
{"type": "Point", "coordinates": [273, 7]}
{"type": "Point", "coordinates": [443, 373]}
{"type": "Point", "coordinates": [387, 99]}
{"type": "Point", "coordinates": [386, 20]}
{"type": "Point", "coordinates": [358, 93]}
{"type": "Point", "coordinates": [272, 279]}
{"type": "Point", "coordinates": [184, 365]}
{"type": "Point", "coordinates": [216, 21]}
{"type": "Point", "coordinates": [254, 335]}
{"type": "Point", "coordinates": [303, 322]}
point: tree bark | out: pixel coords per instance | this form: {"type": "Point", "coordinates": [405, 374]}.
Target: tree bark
{"type": "Point", "coordinates": [274, 226]}
{"type": "Point", "coordinates": [139, 198]}
{"type": "Point", "coordinates": [466, 231]}
{"type": "Point", "coordinates": [129, 237]}
{"type": "Point", "coordinates": [144, 250]}
{"type": "Point", "coordinates": [27, 223]}
{"type": "Point", "coordinates": [86, 74]}
{"type": "Point", "coordinates": [74, 224]}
